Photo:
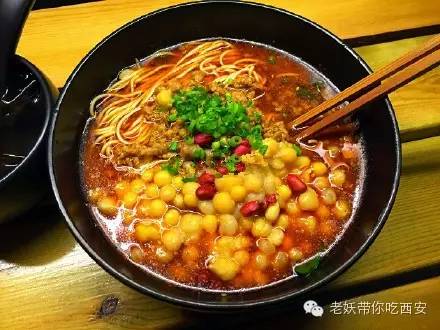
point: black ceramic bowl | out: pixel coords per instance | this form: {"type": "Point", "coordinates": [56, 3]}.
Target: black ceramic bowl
{"type": "Point", "coordinates": [24, 121]}
{"type": "Point", "coordinates": [253, 22]}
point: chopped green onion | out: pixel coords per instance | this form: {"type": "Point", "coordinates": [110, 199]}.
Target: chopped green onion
{"type": "Point", "coordinates": [297, 149]}
{"type": "Point", "coordinates": [256, 140]}
{"type": "Point", "coordinates": [189, 179]}
{"type": "Point", "coordinates": [217, 153]}
{"type": "Point", "coordinates": [172, 117]}
{"type": "Point", "coordinates": [209, 113]}
{"type": "Point", "coordinates": [189, 140]}
{"type": "Point", "coordinates": [173, 166]}
{"type": "Point", "coordinates": [174, 146]}
{"type": "Point", "coordinates": [263, 149]}
{"type": "Point", "coordinates": [231, 161]}
{"type": "Point", "coordinates": [256, 117]}
{"type": "Point", "coordinates": [307, 93]}
{"type": "Point", "coordinates": [199, 153]}
{"type": "Point", "coordinates": [215, 145]}
{"type": "Point", "coordinates": [234, 141]}
{"type": "Point", "coordinates": [224, 141]}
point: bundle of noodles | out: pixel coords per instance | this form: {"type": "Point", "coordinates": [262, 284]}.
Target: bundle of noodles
{"type": "Point", "coordinates": [119, 119]}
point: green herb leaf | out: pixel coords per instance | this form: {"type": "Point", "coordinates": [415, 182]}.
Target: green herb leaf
{"type": "Point", "coordinates": [172, 117]}
{"type": "Point", "coordinates": [307, 93]}
{"type": "Point", "coordinates": [231, 161]}
{"type": "Point", "coordinates": [173, 165]}
{"type": "Point", "coordinates": [222, 152]}
{"type": "Point", "coordinates": [297, 149]}
{"type": "Point", "coordinates": [189, 179]}
{"type": "Point", "coordinates": [174, 146]}
{"type": "Point", "coordinates": [306, 268]}
{"type": "Point", "coordinates": [255, 138]}
{"type": "Point", "coordinates": [199, 153]}
{"type": "Point", "coordinates": [208, 113]}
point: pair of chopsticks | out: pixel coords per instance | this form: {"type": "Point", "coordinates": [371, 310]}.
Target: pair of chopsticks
{"type": "Point", "coordinates": [384, 81]}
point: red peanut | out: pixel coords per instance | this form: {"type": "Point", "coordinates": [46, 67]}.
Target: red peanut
{"type": "Point", "coordinates": [206, 192]}
{"type": "Point", "coordinates": [202, 139]}
{"type": "Point", "coordinates": [295, 184]}
{"type": "Point", "coordinates": [206, 178]}
{"type": "Point", "coordinates": [250, 208]}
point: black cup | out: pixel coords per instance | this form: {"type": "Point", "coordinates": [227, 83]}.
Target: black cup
{"type": "Point", "coordinates": [26, 101]}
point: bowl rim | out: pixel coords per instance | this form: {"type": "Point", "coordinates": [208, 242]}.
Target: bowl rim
{"type": "Point", "coordinates": [214, 306]}
{"type": "Point", "coordinates": [47, 95]}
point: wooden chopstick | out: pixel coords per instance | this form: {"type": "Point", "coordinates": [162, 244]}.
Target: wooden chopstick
{"type": "Point", "coordinates": [402, 77]}
{"type": "Point", "coordinates": [368, 82]}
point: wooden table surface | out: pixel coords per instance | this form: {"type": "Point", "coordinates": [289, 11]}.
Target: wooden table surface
{"type": "Point", "coordinates": [47, 280]}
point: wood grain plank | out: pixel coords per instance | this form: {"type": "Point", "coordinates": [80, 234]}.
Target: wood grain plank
{"type": "Point", "coordinates": [56, 39]}
{"type": "Point", "coordinates": [45, 278]}
{"type": "Point", "coordinates": [351, 19]}
{"type": "Point", "coordinates": [417, 104]}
